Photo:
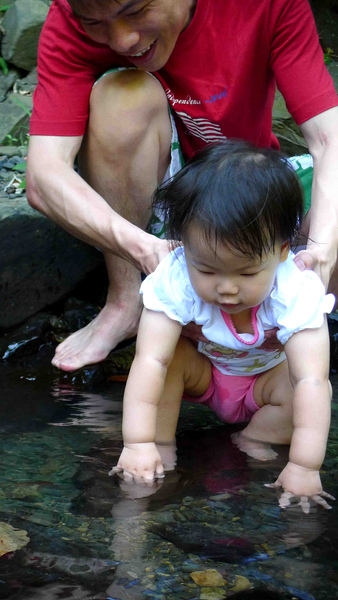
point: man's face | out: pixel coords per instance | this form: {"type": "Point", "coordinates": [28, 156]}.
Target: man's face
{"type": "Point", "coordinates": [143, 31]}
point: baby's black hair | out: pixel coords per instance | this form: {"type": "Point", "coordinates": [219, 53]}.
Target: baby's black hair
{"type": "Point", "coordinates": [237, 194]}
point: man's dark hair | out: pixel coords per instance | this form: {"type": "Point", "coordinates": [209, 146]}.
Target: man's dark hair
{"type": "Point", "coordinates": [237, 194]}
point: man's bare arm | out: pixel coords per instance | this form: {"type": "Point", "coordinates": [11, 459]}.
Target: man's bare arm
{"type": "Point", "coordinates": [321, 135]}
{"type": "Point", "coordinates": [56, 190]}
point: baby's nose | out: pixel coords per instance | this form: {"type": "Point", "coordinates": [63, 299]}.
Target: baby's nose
{"type": "Point", "coordinates": [227, 286]}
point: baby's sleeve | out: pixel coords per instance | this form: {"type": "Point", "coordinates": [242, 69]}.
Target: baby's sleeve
{"type": "Point", "coordinates": [168, 289]}
{"type": "Point", "coordinates": [298, 301]}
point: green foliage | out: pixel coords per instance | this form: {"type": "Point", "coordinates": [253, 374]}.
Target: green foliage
{"type": "Point", "coordinates": [22, 185]}
{"type": "Point", "coordinates": [11, 141]}
{"type": "Point", "coordinates": [328, 56]}
{"type": "Point", "coordinates": [22, 140]}
{"type": "Point", "coordinates": [3, 66]}
{"type": "Point", "coordinates": [21, 167]}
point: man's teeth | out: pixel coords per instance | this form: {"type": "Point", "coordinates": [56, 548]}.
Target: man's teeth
{"type": "Point", "coordinates": [141, 53]}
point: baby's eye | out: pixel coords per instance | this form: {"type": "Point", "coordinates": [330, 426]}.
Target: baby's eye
{"type": "Point", "coordinates": [249, 274]}
{"type": "Point", "coordinates": [205, 272]}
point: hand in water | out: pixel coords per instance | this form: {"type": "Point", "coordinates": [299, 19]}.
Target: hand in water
{"type": "Point", "coordinates": [145, 463]}
{"type": "Point", "coordinates": [301, 487]}
{"type": "Point", "coordinates": [140, 463]}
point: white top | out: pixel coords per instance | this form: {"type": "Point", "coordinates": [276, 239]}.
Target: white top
{"type": "Point", "coordinates": [297, 301]}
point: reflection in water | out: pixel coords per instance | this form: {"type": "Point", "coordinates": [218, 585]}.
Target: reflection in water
{"type": "Point", "coordinates": [98, 537]}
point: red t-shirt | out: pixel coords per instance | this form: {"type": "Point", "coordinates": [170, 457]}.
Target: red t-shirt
{"type": "Point", "coordinates": [220, 79]}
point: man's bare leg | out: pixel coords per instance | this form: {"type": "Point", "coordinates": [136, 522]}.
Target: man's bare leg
{"type": "Point", "coordinates": [124, 157]}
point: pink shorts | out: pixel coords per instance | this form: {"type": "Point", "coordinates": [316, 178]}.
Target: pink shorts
{"type": "Point", "coordinates": [229, 396]}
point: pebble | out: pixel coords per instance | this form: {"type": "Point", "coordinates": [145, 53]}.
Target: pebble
{"type": "Point", "coordinates": [208, 578]}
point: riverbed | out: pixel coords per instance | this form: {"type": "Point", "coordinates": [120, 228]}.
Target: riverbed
{"type": "Point", "coordinates": [209, 530]}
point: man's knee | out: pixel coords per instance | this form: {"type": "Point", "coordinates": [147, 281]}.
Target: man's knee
{"type": "Point", "coordinates": [124, 104]}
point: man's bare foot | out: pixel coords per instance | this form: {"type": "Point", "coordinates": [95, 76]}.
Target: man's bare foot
{"type": "Point", "coordinates": [93, 343]}
{"type": "Point", "coordinates": [253, 448]}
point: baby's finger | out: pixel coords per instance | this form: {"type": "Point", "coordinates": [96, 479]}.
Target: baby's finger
{"type": "Point", "coordinates": [273, 485]}
{"type": "Point", "coordinates": [285, 499]}
{"type": "Point", "coordinates": [322, 502]}
{"type": "Point", "coordinates": [159, 474]}
{"type": "Point", "coordinates": [305, 504]}
{"type": "Point", "coordinates": [326, 495]}
{"type": "Point", "coordinates": [115, 470]}
{"type": "Point", "coordinates": [127, 476]}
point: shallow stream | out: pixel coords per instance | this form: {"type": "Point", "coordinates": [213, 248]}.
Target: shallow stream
{"type": "Point", "coordinates": [92, 536]}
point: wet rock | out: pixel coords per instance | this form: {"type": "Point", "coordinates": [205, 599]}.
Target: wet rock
{"type": "Point", "coordinates": [39, 262]}
{"type": "Point", "coordinates": [9, 151]}
{"type": "Point", "coordinates": [11, 539]}
{"type": "Point", "coordinates": [27, 340]}
{"type": "Point", "coordinates": [208, 578]}
{"type": "Point", "coordinates": [22, 24]}
{"type": "Point", "coordinates": [242, 583]}
{"type": "Point", "coordinates": [212, 594]}
{"type": "Point", "coordinates": [88, 376]}
{"type": "Point", "coordinates": [77, 314]}
{"type": "Point", "coordinates": [27, 85]}
{"type": "Point", "coordinates": [14, 117]}
{"type": "Point", "coordinates": [7, 82]}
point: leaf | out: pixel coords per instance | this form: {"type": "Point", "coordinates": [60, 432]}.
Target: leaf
{"type": "Point", "coordinates": [3, 65]}
{"type": "Point", "coordinates": [20, 167]}
{"type": "Point", "coordinates": [11, 539]}
{"type": "Point", "coordinates": [22, 185]}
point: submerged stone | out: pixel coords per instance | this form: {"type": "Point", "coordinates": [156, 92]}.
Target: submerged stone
{"type": "Point", "coordinates": [207, 578]}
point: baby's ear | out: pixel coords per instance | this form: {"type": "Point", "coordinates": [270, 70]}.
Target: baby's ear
{"type": "Point", "coordinates": [284, 251]}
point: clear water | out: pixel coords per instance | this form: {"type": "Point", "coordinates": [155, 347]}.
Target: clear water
{"type": "Point", "coordinates": [93, 537]}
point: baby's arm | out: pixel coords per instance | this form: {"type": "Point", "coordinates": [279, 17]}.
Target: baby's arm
{"type": "Point", "coordinates": [308, 360]}
{"type": "Point", "coordinates": [156, 343]}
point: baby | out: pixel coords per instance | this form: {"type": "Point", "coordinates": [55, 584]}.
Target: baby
{"type": "Point", "coordinates": [236, 209]}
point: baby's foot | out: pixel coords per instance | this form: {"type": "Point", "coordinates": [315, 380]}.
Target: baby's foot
{"type": "Point", "coordinates": [253, 448]}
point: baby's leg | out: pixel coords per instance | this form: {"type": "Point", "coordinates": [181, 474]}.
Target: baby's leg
{"type": "Point", "coordinates": [189, 372]}
{"type": "Point", "coordinates": [273, 422]}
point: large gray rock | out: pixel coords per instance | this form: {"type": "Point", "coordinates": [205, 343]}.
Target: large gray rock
{"type": "Point", "coordinates": [39, 262]}
{"type": "Point", "coordinates": [14, 117]}
{"type": "Point", "coordinates": [7, 82]}
{"type": "Point", "coordinates": [22, 24]}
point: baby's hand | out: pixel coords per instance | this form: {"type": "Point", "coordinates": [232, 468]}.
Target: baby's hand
{"type": "Point", "coordinates": [300, 482]}
{"type": "Point", "coordinates": [139, 462]}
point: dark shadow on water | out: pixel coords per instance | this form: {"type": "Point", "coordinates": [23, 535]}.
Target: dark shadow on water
{"type": "Point", "coordinates": [96, 537]}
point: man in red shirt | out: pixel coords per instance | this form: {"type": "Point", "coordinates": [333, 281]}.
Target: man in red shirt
{"type": "Point", "coordinates": [217, 64]}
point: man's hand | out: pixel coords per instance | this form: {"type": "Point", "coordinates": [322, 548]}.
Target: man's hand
{"type": "Point", "coordinates": [153, 251]}
{"type": "Point", "coordinates": [312, 259]}
{"type": "Point", "coordinates": [139, 462]}
{"type": "Point", "coordinates": [300, 482]}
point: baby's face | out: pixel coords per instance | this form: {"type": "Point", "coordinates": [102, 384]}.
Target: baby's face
{"type": "Point", "coordinates": [227, 278]}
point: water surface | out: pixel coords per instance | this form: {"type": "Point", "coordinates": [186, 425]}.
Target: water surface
{"type": "Point", "coordinates": [95, 537]}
